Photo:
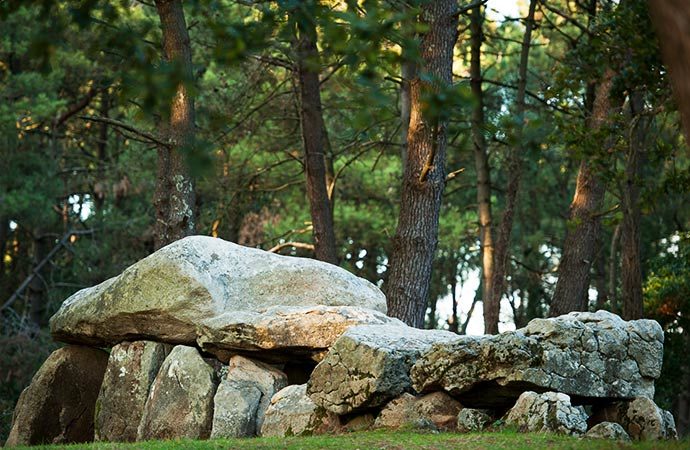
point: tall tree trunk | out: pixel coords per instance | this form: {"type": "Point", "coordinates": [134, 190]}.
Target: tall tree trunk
{"type": "Point", "coordinates": [453, 320]}
{"type": "Point", "coordinates": [313, 134]}
{"type": "Point", "coordinates": [100, 187]}
{"type": "Point", "coordinates": [481, 163]}
{"type": "Point", "coordinates": [4, 235]}
{"type": "Point", "coordinates": [416, 236]}
{"type": "Point", "coordinates": [515, 158]}
{"type": "Point", "coordinates": [600, 276]}
{"type": "Point", "coordinates": [671, 18]}
{"type": "Point", "coordinates": [571, 292]}
{"type": "Point", "coordinates": [174, 198]}
{"type": "Point", "coordinates": [631, 272]}
{"type": "Point", "coordinates": [613, 266]}
{"type": "Point", "coordinates": [463, 327]}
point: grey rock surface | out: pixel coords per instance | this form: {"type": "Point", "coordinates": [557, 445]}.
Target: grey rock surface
{"type": "Point", "coordinates": [640, 417]}
{"type": "Point", "coordinates": [401, 413]}
{"type": "Point", "coordinates": [440, 408]}
{"type": "Point", "coordinates": [283, 333]}
{"type": "Point", "coordinates": [585, 355]}
{"type": "Point", "coordinates": [435, 411]}
{"type": "Point", "coordinates": [243, 397]}
{"type": "Point", "coordinates": [58, 406]}
{"type": "Point", "coordinates": [234, 409]}
{"type": "Point", "coordinates": [132, 367]}
{"type": "Point", "coordinates": [212, 293]}
{"type": "Point", "coordinates": [470, 419]}
{"type": "Point", "coordinates": [180, 401]}
{"type": "Point", "coordinates": [608, 430]}
{"type": "Point", "coordinates": [292, 413]}
{"type": "Point", "coordinates": [369, 365]}
{"type": "Point", "coordinates": [548, 412]}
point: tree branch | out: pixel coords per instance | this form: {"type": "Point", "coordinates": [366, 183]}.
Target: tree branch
{"type": "Point", "coordinates": [116, 123]}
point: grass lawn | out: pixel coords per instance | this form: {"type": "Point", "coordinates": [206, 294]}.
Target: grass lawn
{"type": "Point", "coordinates": [391, 440]}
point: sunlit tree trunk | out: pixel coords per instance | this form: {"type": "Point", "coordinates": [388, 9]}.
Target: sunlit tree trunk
{"type": "Point", "coordinates": [416, 236]}
{"type": "Point", "coordinates": [174, 199]}
{"type": "Point", "coordinates": [313, 133]}
{"type": "Point", "coordinates": [571, 292]}
{"type": "Point", "coordinates": [481, 163]}
{"type": "Point", "coordinates": [515, 159]}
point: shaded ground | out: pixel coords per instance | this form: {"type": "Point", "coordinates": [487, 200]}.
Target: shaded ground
{"type": "Point", "coordinates": [392, 440]}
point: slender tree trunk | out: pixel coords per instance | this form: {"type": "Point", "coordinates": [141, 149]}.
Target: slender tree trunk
{"type": "Point", "coordinates": [631, 272]}
{"type": "Point", "coordinates": [600, 276]}
{"type": "Point", "coordinates": [481, 163]}
{"type": "Point", "coordinates": [578, 250]}
{"type": "Point", "coordinates": [432, 322]}
{"type": "Point", "coordinates": [313, 135]}
{"type": "Point", "coordinates": [613, 266]}
{"type": "Point", "coordinates": [4, 235]}
{"type": "Point", "coordinates": [515, 158]}
{"type": "Point", "coordinates": [453, 272]}
{"type": "Point", "coordinates": [174, 198]}
{"type": "Point", "coordinates": [100, 187]}
{"type": "Point", "coordinates": [416, 236]}
{"type": "Point", "coordinates": [671, 18]}
{"type": "Point", "coordinates": [463, 327]}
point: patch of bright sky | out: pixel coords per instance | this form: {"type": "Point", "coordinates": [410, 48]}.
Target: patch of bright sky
{"type": "Point", "coordinates": [465, 294]}
{"type": "Point", "coordinates": [498, 9]}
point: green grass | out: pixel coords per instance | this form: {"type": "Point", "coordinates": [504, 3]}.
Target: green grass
{"type": "Point", "coordinates": [391, 440]}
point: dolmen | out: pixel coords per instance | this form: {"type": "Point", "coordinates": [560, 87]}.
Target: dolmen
{"type": "Point", "coordinates": [207, 339]}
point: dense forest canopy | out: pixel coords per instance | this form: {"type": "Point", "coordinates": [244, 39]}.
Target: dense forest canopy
{"type": "Point", "coordinates": [425, 145]}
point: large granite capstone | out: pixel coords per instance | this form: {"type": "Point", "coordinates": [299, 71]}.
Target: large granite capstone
{"type": "Point", "coordinates": [225, 298]}
{"type": "Point", "coordinates": [592, 357]}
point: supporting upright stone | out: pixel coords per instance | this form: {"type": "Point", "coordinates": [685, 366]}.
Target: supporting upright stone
{"type": "Point", "coordinates": [58, 406]}
{"type": "Point", "coordinates": [132, 367]}
{"type": "Point", "coordinates": [640, 417]}
{"type": "Point", "coordinates": [243, 397]}
{"type": "Point", "coordinates": [180, 402]}
{"type": "Point", "coordinates": [292, 413]}
{"type": "Point", "coordinates": [548, 412]}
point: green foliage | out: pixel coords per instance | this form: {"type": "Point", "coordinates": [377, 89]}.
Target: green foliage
{"type": "Point", "coordinates": [667, 300]}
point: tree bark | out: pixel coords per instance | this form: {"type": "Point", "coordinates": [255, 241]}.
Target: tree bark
{"type": "Point", "coordinates": [571, 292]}
{"type": "Point", "coordinates": [600, 276]}
{"type": "Point", "coordinates": [453, 321]}
{"type": "Point", "coordinates": [416, 236]}
{"type": "Point", "coordinates": [100, 187]}
{"type": "Point", "coordinates": [313, 135]}
{"type": "Point", "coordinates": [174, 199]}
{"type": "Point", "coordinates": [631, 272]}
{"type": "Point", "coordinates": [613, 268]}
{"type": "Point", "coordinates": [515, 158]}
{"type": "Point", "coordinates": [481, 163]}
{"type": "Point", "coordinates": [671, 18]}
